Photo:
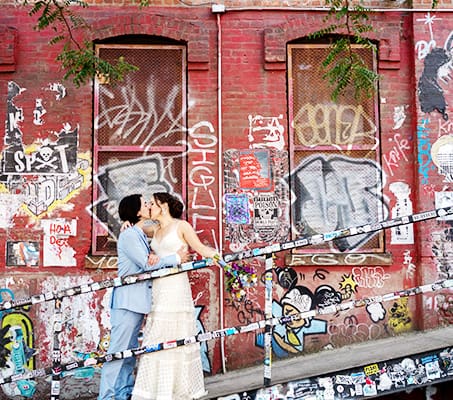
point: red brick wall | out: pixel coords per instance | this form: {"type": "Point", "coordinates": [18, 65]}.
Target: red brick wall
{"type": "Point", "coordinates": [252, 58]}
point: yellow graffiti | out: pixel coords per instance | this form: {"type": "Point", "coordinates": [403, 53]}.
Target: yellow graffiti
{"type": "Point", "coordinates": [400, 319]}
{"type": "Point", "coordinates": [24, 322]}
{"type": "Point", "coordinates": [348, 285]}
{"type": "Point", "coordinates": [333, 124]}
{"type": "Point", "coordinates": [84, 171]}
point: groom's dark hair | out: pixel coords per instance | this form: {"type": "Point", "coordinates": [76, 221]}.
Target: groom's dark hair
{"type": "Point", "coordinates": [129, 208]}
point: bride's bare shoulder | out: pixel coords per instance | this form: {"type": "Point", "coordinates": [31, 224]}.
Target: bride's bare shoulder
{"type": "Point", "coordinates": [184, 225]}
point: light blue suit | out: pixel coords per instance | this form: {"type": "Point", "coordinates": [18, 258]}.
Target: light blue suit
{"type": "Point", "coordinates": [129, 305]}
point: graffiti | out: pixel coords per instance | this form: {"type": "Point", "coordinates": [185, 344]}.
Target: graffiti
{"type": "Point", "coordinates": [444, 306]}
{"type": "Point", "coordinates": [268, 130]}
{"type": "Point", "coordinates": [204, 144]}
{"type": "Point", "coordinates": [444, 127]}
{"type": "Point", "coordinates": [77, 316]}
{"type": "Point", "coordinates": [363, 381]}
{"type": "Point", "coordinates": [38, 112]}
{"type": "Point", "coordinates": [57, 250]}
{"type": "Point", "coordinates": [203, 345]}
{"type": "Point", "coordinates": [20, 354]}
{"type": "Point", "coordinates": [320, 273]}
{"type": "Point", "coordinates": [444, 198]}
{"type": "Point", "coordinates": [436, 70]}
{"type": "Point", "coordinates": [403, 234]}
{"type": "Point", "coordinates": [370, 277]}
{"type": "Point", "coordinates": [348, 286]}
{"type": "Point", "coordinates": [59, 89]}
{"type": "Point", "coordinates": [397, 152]}
{"type": "Point", "coordinates": [400, 317]}
{"type": "Point", "coordinates": [131, 122]}
{"type": "Point", "coordinates": [376, 311]}
{"type": "Point", "coordinates": [45, 172]}
{"type": "Point", "coordinates": [334, 193]}
{"type": "Point", "coordinates": [437, 67]}
{"type": "Point", "coordinates": [289, 338]}
{"type": "Point", "coordinates": [338, 259]}
{"type": "Point", "coordinates": [442, 156]}
{"type": "Point", "coordinates": [116, 179]}
{"type": "Point", "coordinates": [201, 176]}
{"type": "Point", "coordinates": [16, 341]}
{"type": "Point", "coordinates": [424, 147]}
{"type": "Point", "coordinates": [442, 248]}
{"type": "Point", "coordinates": [343, 334]}
{"type": "Point", "coordinates": [58, 157]}
{"type": "Point", "coordinates": [286, 277]}
{"type": "Point", "coordinates": [399, 116]}
{"type": "Point", "coordinates": [9, 206]}
{"type": "Point", "coordinates": [333, 124]}
{"type": "Point", "coordinates": [411, 268]}
{"type": "Point", "coordinates": [237, 209]}
{"type": "Point", "coordinates": [246, 311]}
{"type": "Point", "coordinates": [16, 348]}
{"type": "Point", "coordinates": [103, 262]}
{"type": "Point", "coordinates": [422, 47]}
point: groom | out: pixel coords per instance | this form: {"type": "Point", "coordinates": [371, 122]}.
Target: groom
{"type": "Point", "coordinates": [130, 303]}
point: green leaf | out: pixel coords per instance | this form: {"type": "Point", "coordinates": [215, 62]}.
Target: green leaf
{"type": "Point", "coordinates": [83, 64]}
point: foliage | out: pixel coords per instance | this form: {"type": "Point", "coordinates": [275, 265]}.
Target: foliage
{"type": "Point", "coordinates": [343, 67]}
{"type": "Point", "coordinates": [80, 62]}
{"type": "Point", "coordinates": [240, 277]}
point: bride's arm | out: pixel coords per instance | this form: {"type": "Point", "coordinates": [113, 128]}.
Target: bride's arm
{"type": "Point", "coordinates": [191, 238]}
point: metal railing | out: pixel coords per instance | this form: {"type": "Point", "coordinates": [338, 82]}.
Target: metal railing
{"type": "Point", "coordinates": [58, 368]}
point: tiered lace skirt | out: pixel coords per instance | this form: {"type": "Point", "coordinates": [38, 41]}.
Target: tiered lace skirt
{"type": "Point", "coordinates": [174, 374]}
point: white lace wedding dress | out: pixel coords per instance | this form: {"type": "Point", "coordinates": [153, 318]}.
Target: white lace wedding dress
{"type": "Point", "coordinates": [175, 374]}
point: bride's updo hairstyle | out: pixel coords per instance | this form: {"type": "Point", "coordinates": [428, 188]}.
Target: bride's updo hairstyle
{"type": "Point", "coordinates": [175, 206]}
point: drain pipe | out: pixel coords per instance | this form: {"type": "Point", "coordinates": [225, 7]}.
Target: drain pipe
{"type": "Point", "coordinates": [218, 9]}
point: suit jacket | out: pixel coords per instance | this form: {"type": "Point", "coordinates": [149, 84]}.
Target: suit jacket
{"type": "Point", "coordinates": [133, 250]}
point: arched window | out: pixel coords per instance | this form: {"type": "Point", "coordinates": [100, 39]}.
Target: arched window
{"type": "Point", "coordinates": [336, 178]}
{"type": "Point", "coordinates": [139, 131]}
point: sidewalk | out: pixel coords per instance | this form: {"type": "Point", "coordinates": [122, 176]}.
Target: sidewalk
{"type": "Point", "coordinates": [329, 361]}
{"type": "Point", "coordinates": [294, 368]}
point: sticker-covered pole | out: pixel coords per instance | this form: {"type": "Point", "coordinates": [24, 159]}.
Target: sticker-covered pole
{"type": "Point", "coordinates": [269, 264]}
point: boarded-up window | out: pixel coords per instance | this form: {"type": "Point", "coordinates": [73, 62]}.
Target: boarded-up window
{"type": "Point", "coordinates": [139, 135]}
{"type": "Point", "coordinates": [336, 178]}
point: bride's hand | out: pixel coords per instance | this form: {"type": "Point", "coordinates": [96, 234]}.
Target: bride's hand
{"type": "Point", "coordinates": [153, 259]}
{"type": "Point", "coordinates": [125, 225]}
{"type": "Point", "coordinates": [183, 253]}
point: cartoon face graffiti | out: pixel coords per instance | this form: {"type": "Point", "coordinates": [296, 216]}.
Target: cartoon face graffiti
{"type": "Point", "coordinates": [297, 301]}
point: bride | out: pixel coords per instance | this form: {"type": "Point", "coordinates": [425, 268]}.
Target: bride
{"type": "Point", "coordinates": [174, 374]}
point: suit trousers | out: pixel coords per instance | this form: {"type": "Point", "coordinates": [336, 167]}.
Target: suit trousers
{"type": "Point", "coordinates": [117, 379]}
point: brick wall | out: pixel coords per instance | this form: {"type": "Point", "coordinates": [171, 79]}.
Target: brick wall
{"type": "Point", "coordinates": [254, 83]}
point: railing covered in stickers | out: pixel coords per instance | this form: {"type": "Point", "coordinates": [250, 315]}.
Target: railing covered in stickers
{"type": "Point", "coordinates": [25, 378]}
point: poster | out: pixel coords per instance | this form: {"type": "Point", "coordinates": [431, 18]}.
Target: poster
{"type": "Point", "coordinates": [24, 253]}
{"type": "Point", "coordinates": [237, 209]}
{"type": "Point", "coordinates": [255, 170]}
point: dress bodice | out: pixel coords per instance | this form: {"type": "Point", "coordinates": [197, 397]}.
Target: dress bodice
{"type": "Point", "coordinates": [168, 244]}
